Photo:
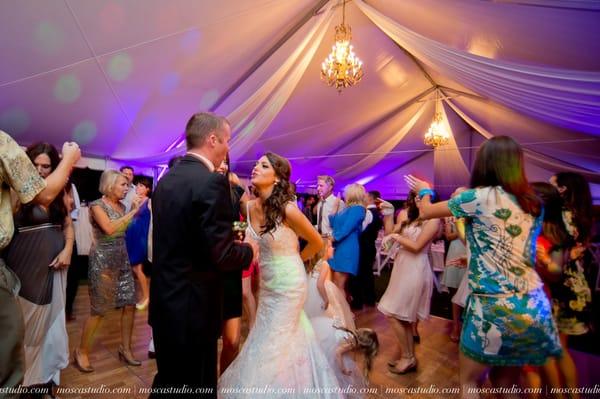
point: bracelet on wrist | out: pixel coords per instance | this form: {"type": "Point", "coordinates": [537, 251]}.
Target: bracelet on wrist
{"type": "Point", "coordinates": [427, 191]}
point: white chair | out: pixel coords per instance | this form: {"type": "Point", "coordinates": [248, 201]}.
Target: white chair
{"type": "Point", "coordinates": [383, 256]}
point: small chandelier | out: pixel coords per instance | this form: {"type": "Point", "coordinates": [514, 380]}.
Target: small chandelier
{"type": "Point", "coordinates": [342, 68]}
{"type": "Point", "coordinates": [437, 134]}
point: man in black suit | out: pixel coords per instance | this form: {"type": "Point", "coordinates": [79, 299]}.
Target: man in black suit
{"type": "Point", "coordinates": [362, 286]}
{"type": "Point", "coordinates": [193, 244]}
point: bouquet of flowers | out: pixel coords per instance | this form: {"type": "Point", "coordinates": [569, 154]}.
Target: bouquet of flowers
{"type": "Point", "coordinates": [239, 228]}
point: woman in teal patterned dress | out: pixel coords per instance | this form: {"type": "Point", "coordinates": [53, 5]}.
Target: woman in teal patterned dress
{"type": "Point", "coordinates": [508, 319]}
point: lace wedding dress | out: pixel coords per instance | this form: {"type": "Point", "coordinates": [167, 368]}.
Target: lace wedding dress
{"type": "Point", "coordinates": [281, 356]}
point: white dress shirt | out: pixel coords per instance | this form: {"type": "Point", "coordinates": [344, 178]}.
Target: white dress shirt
{"type": "Point", "coordinates": [328, 206]}
{"type": "Point", "coordinates": [76, 202]}
{"type": "Point", "coordinates": [204, 160]}
{"type": "Point", "coordinates": [368, 217]}
{"type": "Point", "coordinates": [128, 198]}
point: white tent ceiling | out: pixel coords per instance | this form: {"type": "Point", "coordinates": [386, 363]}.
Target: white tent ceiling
{"type": "Point", "coordinates": [123, 77]}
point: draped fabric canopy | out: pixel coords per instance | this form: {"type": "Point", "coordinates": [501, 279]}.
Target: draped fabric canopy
{"type": "Point", "coordinates": [122, 78]}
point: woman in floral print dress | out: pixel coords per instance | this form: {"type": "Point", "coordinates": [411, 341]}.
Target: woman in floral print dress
{"type": "Point", "coordinates": [571, 294]}
{"type": "Point", "coordinates": [508, 320]}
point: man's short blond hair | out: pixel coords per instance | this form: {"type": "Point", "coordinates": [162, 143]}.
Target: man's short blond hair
{"type": "Point", "coordinates": [327, 179]}
{"type": "Point", "coordinates": [108, 180]}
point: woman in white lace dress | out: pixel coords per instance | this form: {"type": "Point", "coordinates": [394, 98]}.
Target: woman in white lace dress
{"type": "Point", "coordinates": [318, 273]}
{"type": "Point", "coordinates": [281, 356]}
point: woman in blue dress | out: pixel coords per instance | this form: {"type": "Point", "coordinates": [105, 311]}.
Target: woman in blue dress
{"type": "Point", "coordinates": [136, 238]}
{"type": "Point", "coordinates": [347, 226]}
{"type": "Point", "coordinates": [508, 319]}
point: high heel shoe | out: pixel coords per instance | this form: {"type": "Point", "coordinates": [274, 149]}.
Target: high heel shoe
{"type": "Point", "coordinates": [142, 305]}
{"type": "Point", "coordinates": [128, 359]}
{"type": "Point", "coordinates": [78, 365]}
{"type": "Point", "coordinates": [410, 368]}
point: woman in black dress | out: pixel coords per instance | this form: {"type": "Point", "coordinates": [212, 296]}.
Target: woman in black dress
{"type": "Point", "coordinates": [40, 254]}
{"type": "Point", "coordinates": [571, 294]}
{"type": "Point", "coordinates": [232, 283]}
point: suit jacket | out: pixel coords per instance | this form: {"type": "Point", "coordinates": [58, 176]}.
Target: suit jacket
{"type": "Point", "coordinates": [193, 245]}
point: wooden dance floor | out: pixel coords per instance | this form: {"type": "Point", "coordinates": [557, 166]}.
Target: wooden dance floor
{"type": "Point", "coordinates": [436, 354]}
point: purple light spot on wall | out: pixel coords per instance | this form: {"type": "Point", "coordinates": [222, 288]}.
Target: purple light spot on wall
{"type": "Point", "coordinates": [208, 99]}
{"type": "Point", "coordinates": [67, 89]}
{"type": "Point", "coordinates": [120, 67]}
{"type": "Point", "coordinates": [14, 121]}
{"type": "Point", "coordinates": [84, 132]}
{"type": "Point", "coordinates": [147, 124]}
{"type": "Point", "coordinates": [190, 41]}
{"type": "Point", "coordinates": [49, 39]}
{"type": "Point", "coordinates": [169, 83]}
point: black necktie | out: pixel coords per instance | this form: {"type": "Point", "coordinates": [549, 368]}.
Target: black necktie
{"type": "Point", "coordinates": [320, 221]}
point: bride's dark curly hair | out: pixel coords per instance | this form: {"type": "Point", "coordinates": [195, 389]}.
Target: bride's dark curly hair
{"type": "Point", "coordinates": [274, 206]}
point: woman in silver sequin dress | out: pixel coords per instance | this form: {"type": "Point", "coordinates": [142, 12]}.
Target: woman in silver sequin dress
{"type": "Point", "coordinates": [110, 276]}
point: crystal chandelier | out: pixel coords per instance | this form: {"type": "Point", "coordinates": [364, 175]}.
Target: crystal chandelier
{"type": "Point", "coordinates": [342, 68]}
{"type": "Point", "coordinates": [437, 134]}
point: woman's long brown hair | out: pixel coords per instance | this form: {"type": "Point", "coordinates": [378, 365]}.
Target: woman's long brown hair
{"type": "Point", "coordinates": [274, 206]}
{"type": "Point", "coordinates": [499, 162]}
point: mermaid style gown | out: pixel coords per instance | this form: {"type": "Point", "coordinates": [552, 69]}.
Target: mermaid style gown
{"type": "Point", "coordinates": [281, 356]}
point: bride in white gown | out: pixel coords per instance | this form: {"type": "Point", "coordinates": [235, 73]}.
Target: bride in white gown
{"type": "Point", "coordinates": [281, 356]}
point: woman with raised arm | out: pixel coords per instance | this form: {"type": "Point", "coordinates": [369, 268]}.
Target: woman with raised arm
{"type": "Point", "coordinates": [346, 225]}
{"type": "Point", "coordinates": [407, 297]}
{"type": "Point", "coordinates": [110, 275]}
{"type": "Point", "coordinates": [508, 321]}
{"type": "Point", "coordinates": [40, 254]}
